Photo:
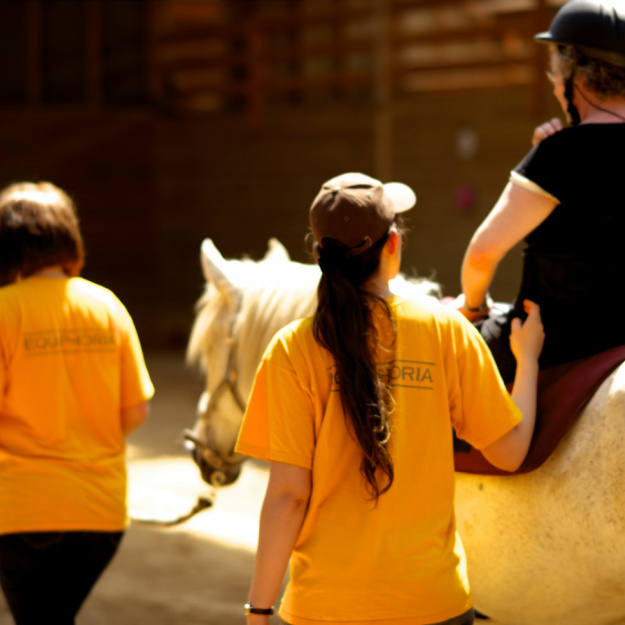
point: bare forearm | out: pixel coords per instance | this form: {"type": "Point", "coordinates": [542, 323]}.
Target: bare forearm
{"type": "Point", "coordinates": [478, 271]}
{"type": "Point", "coordinates": [517, 212]}
{"type": "Point", "coordinates": [281, 518]}
{"type": "Point", "coordinates": [524, 395]}
{"type": "Point", "coordinates": [280, 521]}
{"type": "Point", "coordinates": [510, 450]}
{"type": "Point", "coordinates": [526, 341]}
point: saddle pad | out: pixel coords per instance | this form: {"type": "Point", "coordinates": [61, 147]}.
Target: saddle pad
{"type": "Point", "coordinates": [563, 391]}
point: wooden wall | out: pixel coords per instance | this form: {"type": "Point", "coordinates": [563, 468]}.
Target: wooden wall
{"type": "Point", "coordinates": [174, 120]}
{"type": "Point", "coordinates": [151, 187]}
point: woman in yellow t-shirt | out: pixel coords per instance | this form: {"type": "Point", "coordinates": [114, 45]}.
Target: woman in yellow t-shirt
{"type": "Point", "coordinates": [354, 409]}
{"type": "Point", "coordinates": [73, 384]}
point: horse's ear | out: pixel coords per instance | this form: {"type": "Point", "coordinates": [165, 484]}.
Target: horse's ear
{"type": "Point", "coordinates": [214, 265]}
{"type": "Point", "coordinates": [276, 251]}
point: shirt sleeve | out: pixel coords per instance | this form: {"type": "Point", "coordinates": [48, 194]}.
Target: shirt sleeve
{"type": "Point", "coordinates": [279, 420]}
{"type": "Point", "coordinates": [3, 367]}
{"type": "Point", "coordinates": [482, 410]}
{"type": "Point", "coordinates": [547, 164]}
{"type": "Point", "coordinates": [136, 385]}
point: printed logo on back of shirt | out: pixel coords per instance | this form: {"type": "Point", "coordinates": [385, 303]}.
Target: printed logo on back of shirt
{"type": "Point", "coordinates": [405, 373]}
{"type": "Point", "coordinates": [68, 341]}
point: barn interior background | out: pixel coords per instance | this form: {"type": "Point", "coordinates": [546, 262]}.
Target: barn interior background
{"type": "Point", "coordinates": [173, 120]}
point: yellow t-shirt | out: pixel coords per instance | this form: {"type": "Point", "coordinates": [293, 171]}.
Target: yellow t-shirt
{"type": "Point", "coordinates": [70, 359]}
{"type": "Point", "coordinates": [401, 561]}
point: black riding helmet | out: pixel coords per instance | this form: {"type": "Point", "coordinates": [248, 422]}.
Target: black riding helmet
{"type": "Point", "coordinates": [596, 28]}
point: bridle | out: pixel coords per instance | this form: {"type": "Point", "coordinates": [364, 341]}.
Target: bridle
{"type": "Point", "coordinates": [228, 384]}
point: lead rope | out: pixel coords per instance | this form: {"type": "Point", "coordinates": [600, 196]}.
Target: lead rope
{"type": "Point", "coordinates": [213, 459]}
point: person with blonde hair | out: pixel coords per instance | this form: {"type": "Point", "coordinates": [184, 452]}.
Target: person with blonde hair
{"type": "Point", "coordinates": [354, 408]}
{"type": "Point", "coordinates": [73, 385]}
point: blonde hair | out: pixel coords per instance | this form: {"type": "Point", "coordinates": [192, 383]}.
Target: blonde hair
{"type": "Point", "coordinates": [38, 229]}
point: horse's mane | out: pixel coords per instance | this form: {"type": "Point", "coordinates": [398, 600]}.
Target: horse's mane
{"type": "Point", "coordinates": [265, 296]}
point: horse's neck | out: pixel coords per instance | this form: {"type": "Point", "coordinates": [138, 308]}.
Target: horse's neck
{"type": "Point", "coordinates": [263, 314]}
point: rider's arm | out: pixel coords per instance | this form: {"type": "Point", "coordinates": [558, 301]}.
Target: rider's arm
{"type": "Point", "coordinates": [281, 517]}
{"type": "Point", "coordinates": [517, 212]}
{"type": "Point", "coordinates": [526, 341]}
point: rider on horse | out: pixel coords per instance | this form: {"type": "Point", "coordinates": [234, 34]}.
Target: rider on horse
{"type": "Point", "coordinates": [563, 199]}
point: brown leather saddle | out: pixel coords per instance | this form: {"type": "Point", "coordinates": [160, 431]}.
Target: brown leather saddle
{"type": "Point", "coordinates": [563, 391]}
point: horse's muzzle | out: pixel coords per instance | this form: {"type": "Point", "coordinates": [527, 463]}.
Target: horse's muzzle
{"type": "Point", "coordinates": [215, 470]}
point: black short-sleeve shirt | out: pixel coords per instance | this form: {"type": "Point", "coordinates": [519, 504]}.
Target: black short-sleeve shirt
{"type": "Point", "coordinates": [574, 261]}
{"type": "Point", "coordinates": [584, 168]}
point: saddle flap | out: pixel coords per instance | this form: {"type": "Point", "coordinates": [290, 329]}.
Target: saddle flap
{"type": "Point", "coordinates": [563, 391]}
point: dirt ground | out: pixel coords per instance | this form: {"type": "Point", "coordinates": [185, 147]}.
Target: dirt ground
{"type": "Point", "coordinates": [198, 572]}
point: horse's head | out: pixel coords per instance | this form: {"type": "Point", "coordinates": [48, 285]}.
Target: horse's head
{"type": "Point", "coordinates": [244, 304]}
{"type": "Point", "coordinates": [237, 307]}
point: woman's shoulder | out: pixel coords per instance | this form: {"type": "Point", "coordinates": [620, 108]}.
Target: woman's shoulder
{"type": "Point", "coordinates": [421, 307]}
{"type": "Point", "coordinates": [577, 138]}
{"type": "Point", "coordinates": [570, 157]}
{"type": "Point", "coordinates": [81, 287]}
{"type": "Point", "coordinates": [427, 310]}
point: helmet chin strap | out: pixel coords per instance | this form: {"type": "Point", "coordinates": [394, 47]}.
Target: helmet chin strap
{"type": "Point", "coordinates": [568, 95]}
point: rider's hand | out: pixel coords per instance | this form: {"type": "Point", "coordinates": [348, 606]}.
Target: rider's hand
{"type": "Point", "coordinates": [526, 339]}
{"type": "Point", "coordinates": [472, 315]}
{"type": "Point", "coordinates": [546, 130]}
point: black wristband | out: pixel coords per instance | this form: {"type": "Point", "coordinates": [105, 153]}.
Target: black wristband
{"type": "Point", "coordinates": [249, 609]}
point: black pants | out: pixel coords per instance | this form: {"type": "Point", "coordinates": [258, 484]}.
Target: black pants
{"type": "Point", "coordinates": [46, 576]}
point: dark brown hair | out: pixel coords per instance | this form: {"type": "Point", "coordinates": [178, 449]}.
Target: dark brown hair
{"type": "Point", "coordinates": [344, 325]}
{"type": "Point", "coordinates": [38, 229]}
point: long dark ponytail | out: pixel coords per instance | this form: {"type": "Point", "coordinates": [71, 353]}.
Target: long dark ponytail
{"type": "Point", "coordinates": [343, 324]}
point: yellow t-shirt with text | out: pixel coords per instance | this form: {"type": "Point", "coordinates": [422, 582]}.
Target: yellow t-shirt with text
{"type": "Point", "coordinates": [400, 561]}
{"type": "Point", "coordinates": [70, 360]}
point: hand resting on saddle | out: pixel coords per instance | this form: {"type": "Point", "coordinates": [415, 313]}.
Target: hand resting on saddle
{"type": "Point", "coordinates": [526, 341]}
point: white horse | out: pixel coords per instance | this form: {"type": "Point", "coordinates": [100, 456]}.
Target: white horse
{"type": "Point", "coordinates": [543, 548]}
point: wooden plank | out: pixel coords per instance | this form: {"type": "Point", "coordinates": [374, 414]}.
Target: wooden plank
{"type": "Point", "coordinates": [465, 64]}
{"type": "Point", "coordinates": [195, 11]}
{"type": "Point", "coordinates": [257, 93]}
{"type": "Point", "coordinates": [538, 89]}
{"type": "Point", "coordinates": [304, 20]}
{"type": "Point", "coordinates": [93, 26]}
{"type": "Point", "coordinates": [510, 75]}
{"type": "Point", "coordinates": [153, 75]}
{"type": "Point", "coordinates": [383, 119]}
{"type": "Point", "coordinates": [201, 80]}
{"type": "Point", "coordinates": [34, 52]}
{"type": "Point", "coordinates": [490, 32]}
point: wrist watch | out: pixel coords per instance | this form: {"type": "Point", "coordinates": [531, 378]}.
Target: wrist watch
{"type": "Point", "coordinates": [485, 306]}
{"type": "Point", "coordinates": [250, 609]}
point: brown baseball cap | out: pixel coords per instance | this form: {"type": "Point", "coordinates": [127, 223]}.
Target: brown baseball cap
{"type": "Point", "coordinates": [358, 210]}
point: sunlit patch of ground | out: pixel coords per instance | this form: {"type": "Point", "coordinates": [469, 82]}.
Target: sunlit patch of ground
{"type": "Point", "coordinates": [166, 488]}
